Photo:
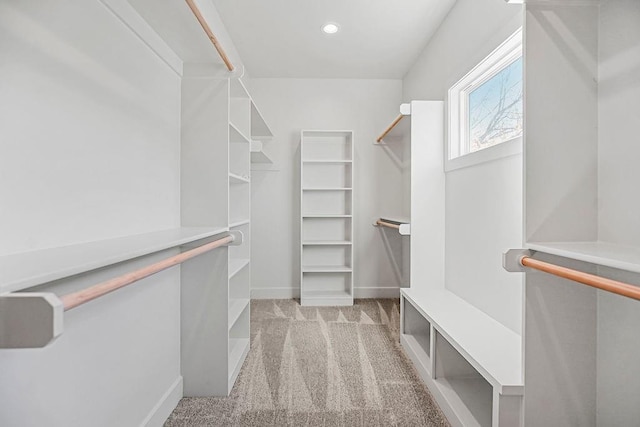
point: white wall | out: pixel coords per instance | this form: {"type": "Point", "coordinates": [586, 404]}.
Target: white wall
{"type": "Point", "coordinates": [89, 122]}
{"type": "Point", "coordinates": [618, 176]}
{"type": "Point", "coordinates": [89, 139]}
{"type": "Point", "coordinates": [483, 202]}
{"type": "Point", "coordinates": [289, 105]}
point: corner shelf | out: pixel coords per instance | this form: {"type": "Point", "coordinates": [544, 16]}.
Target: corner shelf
{"type": "Point", "coordinates": [326, 269]}
{"type": "Point", "coordinates": [257, 153]}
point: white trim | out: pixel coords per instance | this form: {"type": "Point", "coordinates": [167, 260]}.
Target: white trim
{"type": "Point", "coordinates": [503, 55]}
{"type": "Point", "coordinates": [275, 293]}
{"type": "Point", "coordinates": [167, 403]}
{"type": "Point", "coordinates": [505, 149]}
{"type": "Point", "coordinates": [375, 292]}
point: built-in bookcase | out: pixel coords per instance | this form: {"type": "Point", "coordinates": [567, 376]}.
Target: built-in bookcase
{"type": "Point", "coordinates": [326, 247]}
{"type": "Point", "coordinates": [219, 121]}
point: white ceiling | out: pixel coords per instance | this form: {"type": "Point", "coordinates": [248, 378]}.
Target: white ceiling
{"type": "Point", "coordinates": [377, 38]}
{"type": "Point", "coordinates": [283, 38]}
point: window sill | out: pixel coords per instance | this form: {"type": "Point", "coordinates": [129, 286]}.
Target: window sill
{"type": "Point", "coordinates": [505, 149]}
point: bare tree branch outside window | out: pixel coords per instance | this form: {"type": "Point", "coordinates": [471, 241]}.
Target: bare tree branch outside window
{"type": "Point", "coordinates": [495, 108]}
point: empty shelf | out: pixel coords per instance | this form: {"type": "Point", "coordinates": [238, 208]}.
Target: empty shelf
{"type": "Point", "coordinates": [28, 269]}
{"type": "Point", "coordinates": [326, 242]}
{"type": "Point", "coordinates": [238, 349]}
{"type": "Point", "coordinates": [235, 265]}
{"type": "Point", "coordinates": [259, 127]}
{"type": "Point", "coordinates": [257, 153]}
{"type": "Point", "coordinates": [237, 179]}
{"type": "Point", "coordinates": [327, 189]}
{"type": "Point", "coordinates": [325, 216]}
{"type": "Point", "coordinates": [336, 161]}
{"type": "Point", "coordinates": [236, 307]}
{"type": "Point", "coordinates": [325, 269]}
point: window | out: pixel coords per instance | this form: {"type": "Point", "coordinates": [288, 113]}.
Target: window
{"type": "Point", "coordinates": [486, 109]}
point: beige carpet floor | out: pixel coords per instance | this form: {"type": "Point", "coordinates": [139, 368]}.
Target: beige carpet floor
{"type": "Point", "coordinates": [325, 366]}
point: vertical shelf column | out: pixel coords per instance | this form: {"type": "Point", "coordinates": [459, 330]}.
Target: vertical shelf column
{"type": "Point", "coordinates": [326, 197]}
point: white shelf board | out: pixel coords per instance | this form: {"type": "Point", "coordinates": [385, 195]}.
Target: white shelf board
{"type": "Point", "coordinates": [235, 135]}
{"type": "Point", "coordinates": [326, 243]}
{"type": "Point", "coordinates": [28, 269]}
{"type": "Point", "coordinates": [326, 269]}
{"type": "Point", "coordinates": [236, 307]}
{"type": "Point", "coordinates": [235, 265]}
{"type": "Point", "coordinates": [259, 127]}
{"type": "Point", "coordinates": [599, 253]}
{"type": "Point", "coordinates": [462, 395]}
{"type": "Point", "coordinates": [238, 179]}
{"type": "Point", "coordinates": [336, 161]}
{"type": "Point", "coordinates": [257, 153]}
{"type": "Point", "coordinates": [325, 216]}
{"type": "Point", "coordinates": [239, 223]}
{"type": "Point", "coordinates": [328, 189]}
{"type": "Point", "coordinates": [238, 349]}
{"type": "Point", "coordinates": [494, 350]}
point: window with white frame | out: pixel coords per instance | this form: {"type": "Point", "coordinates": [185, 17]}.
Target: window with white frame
{"type": "Point", "coordinates": [486, 108]}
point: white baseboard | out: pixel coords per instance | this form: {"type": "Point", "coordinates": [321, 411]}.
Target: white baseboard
{"type": "Point", "coordinates": [288, 293]}
{"type": "Point", "coordinates": [375, 292]}
{"type": "Point", "coordinates": [275, 293]}
{"type": "Point", "coordinates": [167, 403]}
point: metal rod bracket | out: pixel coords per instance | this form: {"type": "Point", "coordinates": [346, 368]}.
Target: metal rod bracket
{"type": "Point", "coordinates": [238, 238]}
{"type": "Point", "coordinates": [511, 260]}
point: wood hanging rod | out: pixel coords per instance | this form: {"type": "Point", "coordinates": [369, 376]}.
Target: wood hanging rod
{"type": "Point", "coordinates": [210, 34]}
{"type": "Point", "coordinates": [387, 224]}
{"type": "Point", "coordinates": [76, 299]}
{"type": "Point", "coordinates": [619, 288]}
{"type": "Point", "coordinates": [390, 127]}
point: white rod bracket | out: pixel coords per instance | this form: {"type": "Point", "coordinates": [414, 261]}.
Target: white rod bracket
{"type": "Point", "coordinates": [30, 320]}
{"type": "Point", "coordinates": [238, 237]}
{"type": "Point", "coordinates": [511, 260]}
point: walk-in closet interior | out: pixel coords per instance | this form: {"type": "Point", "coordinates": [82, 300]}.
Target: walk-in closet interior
{"type": "Point", "coordinates": [360, 213]}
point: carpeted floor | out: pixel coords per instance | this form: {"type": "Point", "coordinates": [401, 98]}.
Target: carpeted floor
{"type": "Point", "coordinates": [325, 366]}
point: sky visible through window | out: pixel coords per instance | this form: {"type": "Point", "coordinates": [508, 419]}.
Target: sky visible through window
{"type": "Point", "coordinates": [495, 108]}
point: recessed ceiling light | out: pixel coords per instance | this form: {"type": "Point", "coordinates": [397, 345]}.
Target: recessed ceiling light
{"type": "Point", "coordinates": [330, 28]}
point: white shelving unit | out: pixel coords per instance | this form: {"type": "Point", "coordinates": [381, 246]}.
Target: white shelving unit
{"type": "Point", "coordinates": [326, 248]}
{"type": "Point", "coordinates": [581, 211]}
{"type": "Point", "coordinates": [219, 121]}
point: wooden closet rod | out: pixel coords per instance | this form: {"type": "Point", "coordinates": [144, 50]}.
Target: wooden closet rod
{"type": "Point", "coordinates": [210, 34]}
{"type": "Point", "coordinates": [75, 299]}
{"type": "Point", "coordinates": [391, 126]}
{"type": "Point", "coordinates": [387, 224]}
{"type": "Point", "coordinates": [620, 288]}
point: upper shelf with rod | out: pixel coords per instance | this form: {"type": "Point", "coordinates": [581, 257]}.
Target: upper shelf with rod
{"type": "Point", "coordinates": [403, 227]}
{"type": "Point", "coordinates": [398, 127]}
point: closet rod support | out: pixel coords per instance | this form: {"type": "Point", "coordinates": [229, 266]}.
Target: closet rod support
{"type": "Point", "coordinates": [524, 259]}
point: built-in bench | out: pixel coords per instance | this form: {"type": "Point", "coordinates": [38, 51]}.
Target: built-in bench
{"type": "Point", "coordinates": [471, 363]}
